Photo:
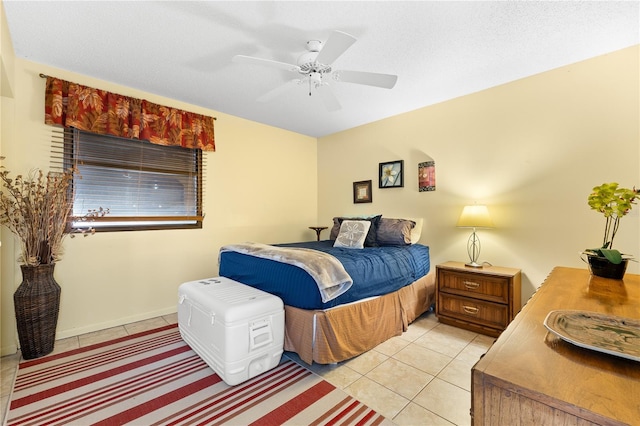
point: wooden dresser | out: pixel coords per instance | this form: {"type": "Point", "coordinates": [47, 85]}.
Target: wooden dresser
{"type": "Point", "coordinates": [484, 300]}
{"type": "Point", "coordinates": [532, 377]}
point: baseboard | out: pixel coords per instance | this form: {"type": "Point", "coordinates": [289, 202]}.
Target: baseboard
{"type": "Point", "coordinates": [115, 323]}
{"type": "Point", "coordinates": [8, 350]}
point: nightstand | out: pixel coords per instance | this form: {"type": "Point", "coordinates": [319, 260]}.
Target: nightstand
{"type": "Point", "coordinates": [484, 300]}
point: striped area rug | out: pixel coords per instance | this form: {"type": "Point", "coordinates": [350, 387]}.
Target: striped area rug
{"type": "Point", "coordinates": [154, 378]}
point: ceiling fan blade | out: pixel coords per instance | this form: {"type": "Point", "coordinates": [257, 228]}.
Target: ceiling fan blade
{"type": "Point", "coordinates": [273, 93]}
{"type": "Point", "coordinates": [386, 81]}
{"type": "Point", "coordinates": [336, 45]}
{"type": "Point", "coordinates": [265, 62]}
{"type": "Point", "coordinates": [328, 98]}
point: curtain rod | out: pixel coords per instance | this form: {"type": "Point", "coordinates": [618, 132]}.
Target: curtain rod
{"type": "Point", "coordinates": [45, 76]}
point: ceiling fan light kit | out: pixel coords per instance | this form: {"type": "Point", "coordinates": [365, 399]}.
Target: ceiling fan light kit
{"type": "Point", "coordinates": [315, 64]}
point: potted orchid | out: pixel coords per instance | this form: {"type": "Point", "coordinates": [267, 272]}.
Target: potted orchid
{"type": "Point", "coordinates": [614, 203]}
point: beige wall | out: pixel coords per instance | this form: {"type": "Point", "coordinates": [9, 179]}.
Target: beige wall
{"type": "Point", "coordinates": [261, 185]}
{"type": "Point", "coordinates": [531, 150]}
{"type": "Point", "coordinates": [7, 324]}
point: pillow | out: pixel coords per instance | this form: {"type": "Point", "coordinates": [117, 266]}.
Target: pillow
{"type": "Point", "coordinates": [395, 232]}
{"type": "Point", "coordinates": [417, 230]}
{"type": "Point", "coordinates": [337, 221]}
{"type": "Point", "coordinates": [352, 234]}
{"type": "Point", "coordinates": [371, 240]}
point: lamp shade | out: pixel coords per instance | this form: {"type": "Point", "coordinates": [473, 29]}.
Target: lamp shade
{"type": "Point", "coordinates": [475, 216]}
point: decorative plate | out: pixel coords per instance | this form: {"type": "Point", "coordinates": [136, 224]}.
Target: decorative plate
{"type": "Point", "coordinates": [603, 333]}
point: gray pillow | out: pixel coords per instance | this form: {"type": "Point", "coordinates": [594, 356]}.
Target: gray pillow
{"type": "Point", "coordinates": [394, 232]}
{"type": "Point", "coordinates": [352, 234]}
{"type": "Point", "coordinates": [370, 241]}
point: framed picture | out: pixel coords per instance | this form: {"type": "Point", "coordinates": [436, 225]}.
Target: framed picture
{"type": "Point", "coordinates": [362, 192]}
{"type": "Point", "coordinates": [391, 174]}
{"type": "Point", "coordinates": [427, 176]}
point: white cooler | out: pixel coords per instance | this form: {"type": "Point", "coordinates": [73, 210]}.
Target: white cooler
{"type": "Point", "coordinates": [236, 329]}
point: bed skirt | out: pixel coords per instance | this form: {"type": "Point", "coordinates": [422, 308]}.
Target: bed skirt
{"type": "Point", "coordinates": [336, 334]}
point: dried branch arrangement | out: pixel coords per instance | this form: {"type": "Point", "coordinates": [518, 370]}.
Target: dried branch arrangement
{"type": "Point", "coordinates": [37, 210]}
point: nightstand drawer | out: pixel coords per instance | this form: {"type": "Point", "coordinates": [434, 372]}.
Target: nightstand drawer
{"type": "Point", "coordinates": [486, 287]}
{"type": "Point", "coordinates": [480, 312]}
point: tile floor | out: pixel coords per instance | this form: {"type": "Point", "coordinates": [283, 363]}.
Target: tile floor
{"type": "Point", "coordinates": [420, 378]}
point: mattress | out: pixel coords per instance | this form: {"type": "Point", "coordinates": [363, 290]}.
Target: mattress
{"type": "Point", "coordinates": [375, 271]}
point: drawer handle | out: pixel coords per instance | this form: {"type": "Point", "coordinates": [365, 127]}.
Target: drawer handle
{"type": "Point", "coordinates": [471, 285]}
{"type": "Point", "coordinates": [470, 309]}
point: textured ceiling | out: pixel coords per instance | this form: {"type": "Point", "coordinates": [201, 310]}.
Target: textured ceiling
{"type": "Point", "coordinates": [439, 49]}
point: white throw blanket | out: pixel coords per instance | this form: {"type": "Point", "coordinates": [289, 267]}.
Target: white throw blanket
{"type": "Point", "coordinates": [331, 277]}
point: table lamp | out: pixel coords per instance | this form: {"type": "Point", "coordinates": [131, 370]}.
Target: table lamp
{"type": "Point", "coordinates": [475, 216]}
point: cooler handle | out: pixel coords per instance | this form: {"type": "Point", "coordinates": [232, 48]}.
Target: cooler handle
{"type": "Point", "coordinates": [181, 300]}
{"type": "Point", "coordinates": [260, 334]}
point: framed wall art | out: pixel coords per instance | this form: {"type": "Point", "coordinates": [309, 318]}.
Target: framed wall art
{"type": "Point", "coordinates": [391, 174]}
{"type": "Point", "coordinates": [362, 192]}
{"type": "Point", "coordinates": [427, 176]}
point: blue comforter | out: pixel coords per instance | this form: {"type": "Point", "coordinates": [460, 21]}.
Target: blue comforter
{"type": "Point", "coordinates": [375, 271]}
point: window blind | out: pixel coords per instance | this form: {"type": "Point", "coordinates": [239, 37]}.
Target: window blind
{"type": "Point", "coordinates": [142, 184]}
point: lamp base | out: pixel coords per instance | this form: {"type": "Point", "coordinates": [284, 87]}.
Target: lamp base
{"type": "Point", "coordinates": [473, 248]}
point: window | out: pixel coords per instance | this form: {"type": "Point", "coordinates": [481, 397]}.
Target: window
{"type": "Point", "coordinates": [144, 186]}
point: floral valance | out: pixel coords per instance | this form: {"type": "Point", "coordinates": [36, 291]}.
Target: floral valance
{"type": "Point", "coordinates": [70, 104]}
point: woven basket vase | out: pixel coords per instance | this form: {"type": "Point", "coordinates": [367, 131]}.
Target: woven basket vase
{"type": "Point", "coordinates": [37, 303]}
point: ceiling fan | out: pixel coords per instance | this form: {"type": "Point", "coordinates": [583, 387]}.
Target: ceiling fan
{"type": "Point", "coordinates": [315, 68]}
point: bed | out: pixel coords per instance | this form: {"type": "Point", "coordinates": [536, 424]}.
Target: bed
{"type": "Point", "coordinates": [388, 284]}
